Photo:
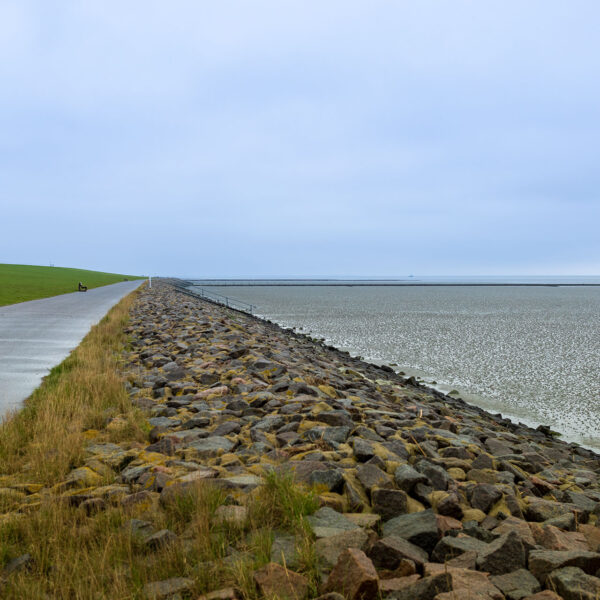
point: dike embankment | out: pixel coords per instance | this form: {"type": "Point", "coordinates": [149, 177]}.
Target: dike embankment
{"type": "Point", "coordinates": [357, 482]}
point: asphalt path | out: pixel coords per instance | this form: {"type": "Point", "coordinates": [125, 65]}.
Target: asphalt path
{"type": "Point", "coordinates": [38, 335]}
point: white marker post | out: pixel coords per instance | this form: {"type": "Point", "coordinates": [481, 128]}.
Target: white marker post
{"type": "Point", "coordinates": [150, 281]}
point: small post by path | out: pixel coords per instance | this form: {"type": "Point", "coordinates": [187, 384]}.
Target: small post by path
{"type": "Point", "coordinates": [150, 281]}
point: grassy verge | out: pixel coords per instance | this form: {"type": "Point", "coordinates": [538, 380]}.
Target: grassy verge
{"type": "Point", "coordinates": [19, 283]}
{"type": "Point", "coordinates": [87, 554]}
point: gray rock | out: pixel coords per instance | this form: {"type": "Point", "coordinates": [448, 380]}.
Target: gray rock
{"type": "Point", "coordinates": [450, 546]}
{"type": "Point", "coordinates": [196, 422]}
{"type": "Point", "coordinates": [159, 539]}
{"type": "Point", "coordinates": [164, 422]}
{"type": "Point", "coordinates": [284, 551]}
{"type": "Point", "coordinates": [517, 584]}
{"type": "Point", "coordinates": [503, 555]}
{"type": "Point", "coordinates": [327, 522]}
{"type": "Point", "coordinates": [131, 474]}
{"type": "Point", "coordinates": [397, 447]}
{"type": "Point", "coordinates": [363, 450]}
{"type": "Point", "coordinates": [371, 476]}
{"type": "Point", "coordinates": [573, 584]}
{"type": "Point", "coordinates": [365, 433]}
{"type": "Point", "coordinates": [418, 528]}
{"type": "Point", "coordinates": [566, 522]}
{"type": "Point", "coordinates": [484, 496]}
{"type": "Point", "coordinates": [424, 589]}
{"type": "Point", "coordinates": [539, 509]}
{"type": "Point", "coordinates": [211, 446]}
{"type": "Point", "coordinates": [582, 501]}
{"type": "Point", "coordinates": [337, 418]}
{"type": "Point", "coordinates": [450, 507]}
{"type": "Point", "coordinates": [328, 549]}
{"type": "Point", "coordinates": [226, 428]}
{"type": "Point", "coordinates": [389, 503]}
{"type": "Point", "coordinates": [388, 552]}
{"type": "Point", "coordinates": [438, 476]}
{"type": "Point", "coordinates": [268, 424]}
{"type": "Point", "coordinates": [332, 479]}
{"type": "Point", "coordinates": [245, 482]}
{"type": "Point", "coordinates": [157, 590]}
{"type": "Point", "coordinates": [165, 445]}
{"type": "Point", "coordinates": [287, 438]}
{"type": "Point", "coordinates": [139, 528]}
{"type": "Point", "coordinates": [543, 562]}
{"type": "Point", "coordinates": [406, 478]}
{"type": "Point", "coordinates": [337, 435]}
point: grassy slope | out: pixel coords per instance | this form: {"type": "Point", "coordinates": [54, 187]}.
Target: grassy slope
{"type": "Point", "coordinates": [19, 283]}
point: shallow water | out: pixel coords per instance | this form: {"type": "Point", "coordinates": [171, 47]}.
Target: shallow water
{"type": "Point", "coordinates": [531, 353]}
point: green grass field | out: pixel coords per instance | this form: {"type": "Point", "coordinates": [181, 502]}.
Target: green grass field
{"type": "Point", "coordinates": [19, 283]}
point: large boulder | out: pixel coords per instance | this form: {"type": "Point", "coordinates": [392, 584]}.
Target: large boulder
{"type": "Point", "coordinates": [543, 562]}
{"type": "Point", "coordinates": [327, 522]}
{"type": "Point", "coordinates": [421, 529]}
{"type": "Point", "coordinates": [328, 549]}
{"type": "Point", "coordinates": [275, 580]}
{"type": "Point", "coordinates": [573, 584]}
{"type": "Point", "coordinates": [451, 546]}
{"type": "Point", "coordinates": [503, 555]}
{"type": "Point", "coordinates": [517, 584]}
{"type": "Point", "coordinates": [353, 576]}
{"type": "Point", "coordinates": [406, 477]}
{"type": "Point", "coordinates": [389, 503]}
{"type": "Point", "coordinates": [388, 553]}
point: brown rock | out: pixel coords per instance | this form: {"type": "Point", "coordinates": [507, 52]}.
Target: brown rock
{"type": "Point", "coordinates": [363, 519]}
{"type": "Point", "coordinates": [573, 584]}
{"type": "Point", "coordinates": [329, 549]}
{"type": "Point", "coordinates": [552, 538]}
{"type": "Point", "coordinates": [446, 523]}
{"type": "Point", "coordinates": [405, 568]}
{"type": "Point", "coordinates": [541, 485]}
{"type": "Point", "coordinates": [450, 507]}
{"type": "Point", "coordinates": [544, 595]}
{"type": "Point", "coordinates": [388, 552]}
{"type": "Point", "coordinates": [397, 583]}
{"type": "Point", "coordinates": [473, 583]}
{"type": "Point", "coordinates": [543, 562]}
{"type": "Point", "coordinates": [592, 536]}
{"type": "Point", "coordinates": [467, 560]}
{"type": "Point", "coordinates": [275, 580]}
{"type": "Point", "coordinates": [427, 588]}
{"type": "Point", "coordinates": [389, 503]}
{"type": "Point", "coordinates": [354, 576]}
{"type": "Point", "coordinates": [503, 555]}
{"type": "Point", "coordinates": [520, 527]}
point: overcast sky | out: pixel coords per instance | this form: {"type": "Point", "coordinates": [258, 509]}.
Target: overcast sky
{"type": "Point", "coordinates": [299, 138]}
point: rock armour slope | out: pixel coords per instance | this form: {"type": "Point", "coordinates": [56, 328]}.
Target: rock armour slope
{"type": "Point", "coordinates": [423, 495]}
